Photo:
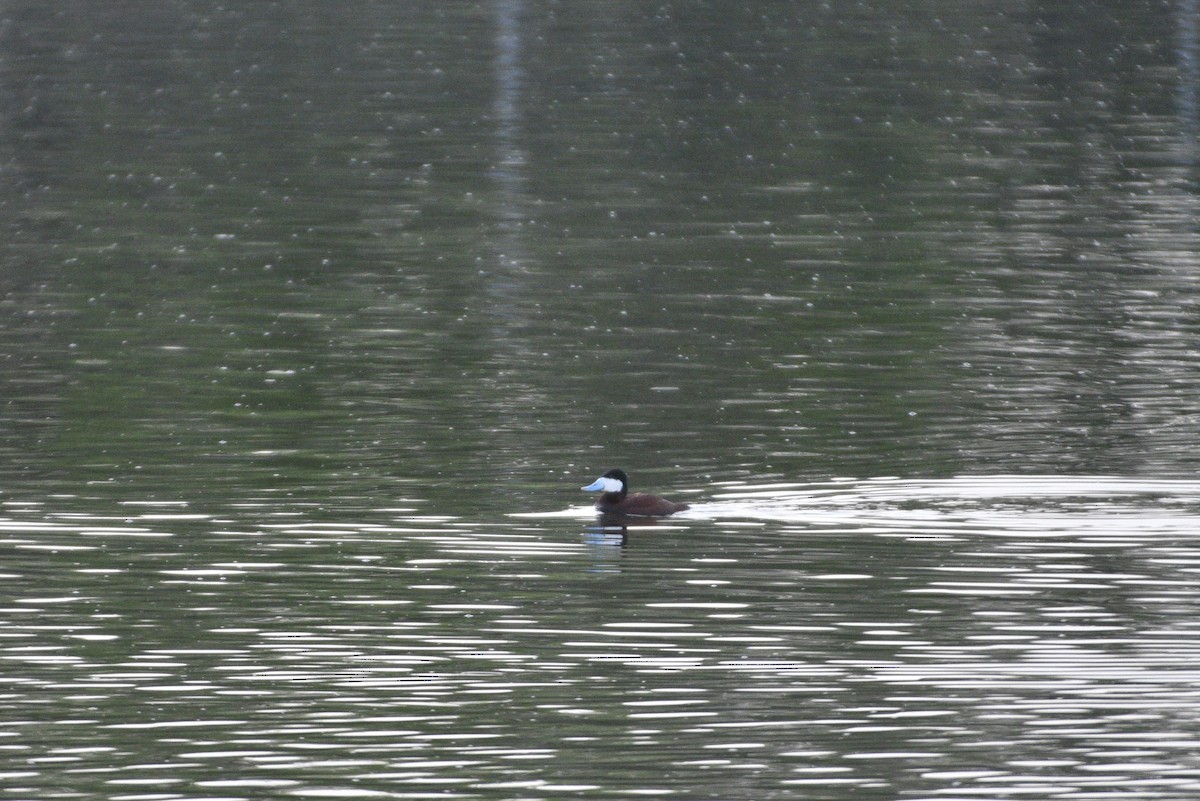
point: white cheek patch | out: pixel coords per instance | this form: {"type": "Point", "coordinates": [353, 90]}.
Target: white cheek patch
{"type": "Point", "coordinates": [604, 484]}
{"type": "Point", "coordinates": [612, 484]}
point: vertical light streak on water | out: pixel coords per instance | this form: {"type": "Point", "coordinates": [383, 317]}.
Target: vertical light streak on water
{"type": "Point", "coordinates": [508, 169]}
{"type": "Point", "coordinates": [1189, 67]}
{"type": "Point", "coordinates": [510, 79]}
{"type": "Point", "coordinates": [510, 295]}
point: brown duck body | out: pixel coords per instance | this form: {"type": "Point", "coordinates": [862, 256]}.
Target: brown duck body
{"type": "Point", "coordinates": [640, 503]}
{"type": "Point", "coordinates": [616, 500]}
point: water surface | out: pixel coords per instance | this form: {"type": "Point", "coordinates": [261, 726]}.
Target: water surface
{"type": "Point", "coordinates": [316, 316]}
{"type": "Point", "coordinates": [864, 639]}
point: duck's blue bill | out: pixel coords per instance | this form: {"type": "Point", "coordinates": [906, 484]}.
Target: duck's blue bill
{"type": "Point", "coordinates": [604, 484]}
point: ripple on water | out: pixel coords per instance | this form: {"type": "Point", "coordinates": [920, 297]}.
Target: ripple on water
{"type": "Point", "coordinates": [969, 638]}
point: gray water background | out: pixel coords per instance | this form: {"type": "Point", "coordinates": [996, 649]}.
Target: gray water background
{"type": "Point", "coordinates": [314, 317]}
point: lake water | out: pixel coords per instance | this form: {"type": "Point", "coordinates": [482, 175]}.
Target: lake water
{"type": "Point", "coordinates": [316, 316]}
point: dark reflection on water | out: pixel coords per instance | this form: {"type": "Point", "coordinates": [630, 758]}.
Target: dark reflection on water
{"type": "Point", "coordinates": [311, 316]}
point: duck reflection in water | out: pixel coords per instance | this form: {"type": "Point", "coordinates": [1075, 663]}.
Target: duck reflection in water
{"type": "Point", "coordinates": [606, 534]}
{"type": "Point", "coordinates": [615, 500]}
{"type": "Point", "coordinates": [613, 529]}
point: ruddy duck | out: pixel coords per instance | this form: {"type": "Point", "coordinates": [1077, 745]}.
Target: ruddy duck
{"type": "Point", "coordinates": [616, 499]}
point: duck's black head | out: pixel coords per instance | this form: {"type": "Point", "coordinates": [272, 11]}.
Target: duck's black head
{"type": "Point", "coordinates": [614, 482]}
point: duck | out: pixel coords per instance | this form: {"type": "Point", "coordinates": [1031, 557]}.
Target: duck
{"type": "Point", "coordinates": [616, 500]}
